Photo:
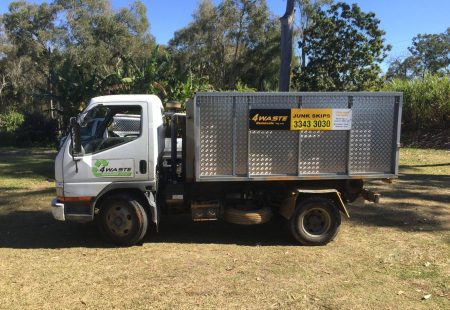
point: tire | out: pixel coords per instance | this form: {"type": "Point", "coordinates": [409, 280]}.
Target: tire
{"type": "Point", "coordinates": [122, 220]}
{"type": "Point", "coordinates": [315, 221]}
{"type": "Point", "coordinates": [245, 217]}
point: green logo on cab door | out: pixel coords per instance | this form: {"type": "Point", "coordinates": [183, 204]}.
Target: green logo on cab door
{"type": "Point", "coordinates": [102, 168]}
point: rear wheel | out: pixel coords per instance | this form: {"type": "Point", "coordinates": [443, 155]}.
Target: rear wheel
{"type": "Point", "coordinates": [315, 221]}
{"type": "Point", "coordinates": [122, 220]}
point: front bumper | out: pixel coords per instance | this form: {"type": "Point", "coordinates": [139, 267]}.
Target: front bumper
{"type": "Point", "coordinates": [58, 210]}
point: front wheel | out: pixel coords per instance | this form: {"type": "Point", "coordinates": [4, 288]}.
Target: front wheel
{"type": "Point", "coordinates": [315, 221]}
{"type": "Point", "coordinates": [122, 220]}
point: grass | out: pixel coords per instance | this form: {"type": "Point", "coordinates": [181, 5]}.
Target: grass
{"type": "Point", "coordinates": [385, 257]}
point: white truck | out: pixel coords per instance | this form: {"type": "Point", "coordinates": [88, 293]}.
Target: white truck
{"type": "Point", "coordinates": [236, 157]}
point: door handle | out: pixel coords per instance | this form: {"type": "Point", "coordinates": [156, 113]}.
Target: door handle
{"type": "Point", "coordinates": [143, 166]}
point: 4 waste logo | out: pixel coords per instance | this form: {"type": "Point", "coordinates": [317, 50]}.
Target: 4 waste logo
{"type": "Point", "coordinates": [269, 119]}
{"type": "Point", "coordinates": [108, 168]}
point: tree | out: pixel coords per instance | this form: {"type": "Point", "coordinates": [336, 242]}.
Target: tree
{"type": "Point", "coordinates": [62, 52]}
{"type": "Point", "coordinates": [198, 47]}
{"type": "Point", "coordinates": [429, 53]}
{"type": "Point", "coordinates": [30, 55]}
{"type": "Point", "coordinates": [343, 47]}
{"type": "Point", "coordinates": [307, 8]}
{"type": "Point", "coordinates": [235, 41]}
{"type": "Point", "coordinates": [98, 39]}
{"type": "Point", "coordinates": [432, 52]}
{"type": "Point", "coordinates": [403, 68]}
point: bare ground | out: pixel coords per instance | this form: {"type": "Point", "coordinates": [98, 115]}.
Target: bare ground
{"type": "Point", "coordinates": [389, 256]}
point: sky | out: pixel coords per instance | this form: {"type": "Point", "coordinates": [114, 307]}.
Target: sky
{"type": "Point", "coordinates": [400, 19]}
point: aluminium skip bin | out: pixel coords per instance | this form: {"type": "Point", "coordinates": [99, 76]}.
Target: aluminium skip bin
{"type": "Point", "coordinates": [228, 146]}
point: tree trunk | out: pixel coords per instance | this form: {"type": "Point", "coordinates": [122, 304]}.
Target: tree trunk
{"type": "Point", "coordinates": [287, 23]}
{"type": "Point", "coordinates": [303, 65]}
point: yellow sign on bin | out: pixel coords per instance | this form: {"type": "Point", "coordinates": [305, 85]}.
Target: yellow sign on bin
{"type": "Point", "coordinates": [321, 119]}
{"type": "Point", "coordinates": [311, 119]}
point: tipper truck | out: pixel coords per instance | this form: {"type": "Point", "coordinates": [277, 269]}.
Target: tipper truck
{"type": "Point", "coordinates": [235, 157]}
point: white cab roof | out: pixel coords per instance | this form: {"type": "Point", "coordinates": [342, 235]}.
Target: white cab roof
{"type": "Point", "coordinates": [151, 99]}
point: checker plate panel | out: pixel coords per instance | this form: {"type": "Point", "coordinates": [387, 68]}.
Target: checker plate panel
{"type": "Point", "coordinates": [227, 149]}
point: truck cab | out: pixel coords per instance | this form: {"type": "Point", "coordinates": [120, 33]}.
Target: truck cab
{"type": "Point", "coordinates": [121, 140]}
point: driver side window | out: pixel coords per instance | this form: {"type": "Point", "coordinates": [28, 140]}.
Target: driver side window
{"type": "Point", "coordinates": [105, 127]}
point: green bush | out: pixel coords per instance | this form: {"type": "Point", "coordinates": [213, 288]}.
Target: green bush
{"type": "Point", "coordinates": [426, 102]}
{"type": "Point", "coordinates": [10, 121]}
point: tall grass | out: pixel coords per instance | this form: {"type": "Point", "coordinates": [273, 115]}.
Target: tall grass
{"type": "Point", "coordinates": [426, 102]}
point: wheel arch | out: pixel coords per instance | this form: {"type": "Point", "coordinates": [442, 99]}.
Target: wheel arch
{"type": "Point", "coordinates": [138, 190]}
{"type": "Point", "coordinates": [288, 208]}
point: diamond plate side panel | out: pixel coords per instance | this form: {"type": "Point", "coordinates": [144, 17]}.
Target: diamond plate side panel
{"type": "Point", "coordinates": [323, 151]}
{"type": "Point", "coordinates": [273, 151]}
{"type": "Point", "coordinates": [323, 102]}
{"type": "Point", "coordinates": [293, 154]}
{"type": "Point", "coordinates": [241, 165]}
{"type": "Point", "coordinates": [216, 136]}
{"type": "Point", "coordinates": [273, 102]}
{"type": "Point", "coordinates": [372, 134]}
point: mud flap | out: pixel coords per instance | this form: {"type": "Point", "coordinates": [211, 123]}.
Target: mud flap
{"type": "Point", "coordinates": [153, 208]}
{"type": "Point", "coordinates": [341, 204]}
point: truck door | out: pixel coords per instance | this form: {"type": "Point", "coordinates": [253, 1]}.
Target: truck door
{"type": "Point", "coordinates": [114, 139]}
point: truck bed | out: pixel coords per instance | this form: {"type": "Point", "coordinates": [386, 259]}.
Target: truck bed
{"type": "Point", "coordinates": [230, 145]}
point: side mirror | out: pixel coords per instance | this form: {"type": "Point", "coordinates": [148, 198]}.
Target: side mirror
{"type": "Point", "coordinates": [75, 135]}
